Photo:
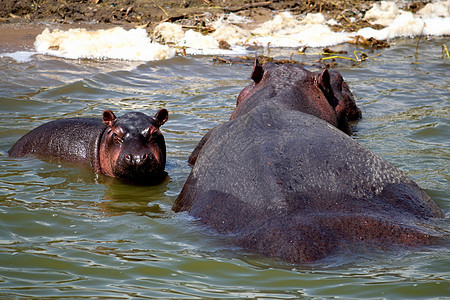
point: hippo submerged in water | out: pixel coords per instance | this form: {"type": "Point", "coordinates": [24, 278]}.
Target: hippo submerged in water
{"type": "Point", "coordinates": [324, 95]}
{"type": "Point", "coordinates": [280, 178]}
{"type": "Point", "coordinates": [129, 147]}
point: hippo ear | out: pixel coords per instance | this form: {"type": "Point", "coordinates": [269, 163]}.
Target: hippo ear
{"type": "Point", "coordinates": [161, 117]}
{"type": "Point", "coordinates": [258, 72]}
{"type": "Point", "coordinates": [325, 85]}
{"type": "Point", "coordinates": [324, 82]}
{"type": "Point", "coordinates": [108, 118]}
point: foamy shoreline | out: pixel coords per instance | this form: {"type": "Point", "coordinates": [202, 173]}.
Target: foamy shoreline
{"type": "Point", "coordinates": [283, 30]}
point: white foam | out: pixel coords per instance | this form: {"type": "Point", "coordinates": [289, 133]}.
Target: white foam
{"type": "Point", "coordinates": [115, 43]}
{"type": "Point", "coordinates": [437, 9]}
{"type": "Point", "coordinates": [283, 30]}
{"type": "Point", "coordinates": [437, 27]}
{"type": "Point", "coordinates": [383, 13]}
{"type": "Point", "coordinates": [433, 19]}
{"type": "Point", "coordinates": [232, 34]}
{"type": "Point", "coordinates": [196, 40]}
{"type": "Point", "coordinates": [436, 17]}
{"type": "Point", "coordinates": [20, 56]}
{"type": "Point", "coordinates": [286, 31]}
{"type": "Point", "coordinates": [404, 25]}
{"type": "Point", "coordinates": [169, 33]}
{"type": "Point", "coordinates": [236, 50]}
{"type": "Point", "coordinates": [195, 43]}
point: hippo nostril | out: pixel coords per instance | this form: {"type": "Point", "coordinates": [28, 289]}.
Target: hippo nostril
{"type": "Point", "coordinates": [136, 160]}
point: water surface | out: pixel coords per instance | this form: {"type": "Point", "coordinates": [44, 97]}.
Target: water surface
{"type": "Point", "coordinates": [67, 232]}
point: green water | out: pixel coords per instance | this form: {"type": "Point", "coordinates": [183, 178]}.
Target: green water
{"type": "Point", "coordinates": [67, 232]}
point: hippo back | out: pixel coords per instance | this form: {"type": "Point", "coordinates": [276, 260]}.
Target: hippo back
{"type": "Point", "coordinates": [73, 139]}
{"type": "Point", "coordinates": [287, 184]}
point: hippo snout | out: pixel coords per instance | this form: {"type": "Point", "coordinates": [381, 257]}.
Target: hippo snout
{"type": "Point", "coordinates": [143, 161]}
{"type": "Point", "coordinates": [138, 167]}
{"type": "Point", "coordinates": [136, 160]}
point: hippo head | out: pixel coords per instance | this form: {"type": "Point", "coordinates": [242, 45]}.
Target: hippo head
{"type": "Point", "coordinates": [132, 147]}
{"type": "Point", "coordinates": [324, 95]}
{"type": "Point", "coordinates": [342, 92]}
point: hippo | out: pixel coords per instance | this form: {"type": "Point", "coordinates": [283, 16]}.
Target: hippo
{"type": "Point", "coordinates": [130, 147]}
{"type": "Point", "coordinates": [286, 183]}
{"type": "Point", "coordinates": [325, 95]}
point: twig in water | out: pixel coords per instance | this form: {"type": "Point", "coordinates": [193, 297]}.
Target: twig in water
{"type": "Point", "coordinates": [418, 42]}
{"type": "Point", "coordinates": [357, 58]}
{"type": "Point", "coordinates": [445, 54]}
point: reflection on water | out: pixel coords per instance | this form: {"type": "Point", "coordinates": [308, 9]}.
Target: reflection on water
{"type": "Point", "coordinates": [67, 232]}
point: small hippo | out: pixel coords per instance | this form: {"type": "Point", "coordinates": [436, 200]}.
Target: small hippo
{"type": "Point", "coordinates": [289, 184]}
{"type": "Point", "coordinates": [129, 147]}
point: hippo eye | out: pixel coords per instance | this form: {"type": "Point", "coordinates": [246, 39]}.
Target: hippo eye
{"type": "Point", "coordinates": [155, 133]}
{"type": "Point", "coordinates": [151, 132]}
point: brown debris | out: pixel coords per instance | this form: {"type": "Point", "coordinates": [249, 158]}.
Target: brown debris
{"type": "Point", "coordinates": [224, 45]}
{"type": "Point", "coordinates": [249, 60]}
{"type": "Point", "coordinates": [349, 26]}
{"type": "Point", "coordinates": [151, 11]}
{"type": "Point", "coordinates": [247, 6]}
{"type": "Point", "coordinates": [330, 51]}
{"type": "Point", "coordinates": [369, 43]}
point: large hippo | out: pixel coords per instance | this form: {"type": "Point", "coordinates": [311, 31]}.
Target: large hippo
{"type": "Point", "coordinates": [288, 184]}
{"type": "Point", "coordinates": [325, 95]}
{"type": "Point", "coordinates": [129, 147]}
